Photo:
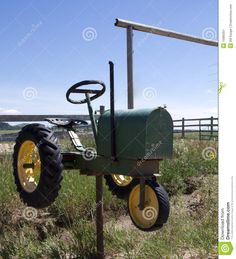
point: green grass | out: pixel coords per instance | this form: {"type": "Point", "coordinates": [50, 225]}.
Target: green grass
{"type": "Point", "coordinates": [182, 233]}
{"type": "Point", "coordinates": [67, 229]}
{"type": "Point", "coordinates": [195, 135]}
{"type": "Point", "coordinates": [188, 162]}
{"type": "Point", "coordinates": [8, 131]}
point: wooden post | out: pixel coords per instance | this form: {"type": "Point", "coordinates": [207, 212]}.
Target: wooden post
{"type": "Point", "coordinates": [200, 128]}
{"type": "Point", "coordinates": [212, 121]}
{"type": "Point", "coordinates": [164, 32]}
{"type": "Point", "coordinates": [99, 216]}
{"type": "Point", "coordinates": [130, 26]}
{"type": "Point", "coordinates": [183, 133]}
{"type": "Point", "coordinates": [99, 210]}
{"type": "Point", "coordinates": [130, 67]}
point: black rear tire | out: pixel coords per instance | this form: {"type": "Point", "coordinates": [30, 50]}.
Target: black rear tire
{"type": "Point", "coordinates": [50, 166]}
{"type": "Point", "coordinates": [122, 192]}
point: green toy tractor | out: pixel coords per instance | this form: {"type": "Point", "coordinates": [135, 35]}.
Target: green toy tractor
{"type": "Point", "coordinates": [130, 144]}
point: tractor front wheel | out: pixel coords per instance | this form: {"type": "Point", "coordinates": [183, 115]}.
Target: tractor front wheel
{"type": "Point", "coordinates": [156, 206]}
{"type": "Point", "coordinates": [37, 164]}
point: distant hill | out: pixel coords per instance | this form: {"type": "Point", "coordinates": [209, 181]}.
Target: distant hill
{"type": "Point", "coordinates": [6, 126]}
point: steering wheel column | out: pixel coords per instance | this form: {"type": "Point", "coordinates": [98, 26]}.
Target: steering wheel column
{"type": "Point", "coordinates": [76, 89]}
{"type": "Point", "coordinates": [91, 115]}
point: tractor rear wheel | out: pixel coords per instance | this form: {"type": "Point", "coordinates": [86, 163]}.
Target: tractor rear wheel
{"type": "Point", "coordinates": [156, 206]}
{"type": "Point", "coordinates": [37, 164]}
{"type": "Point", "coordinates": [120, 185]}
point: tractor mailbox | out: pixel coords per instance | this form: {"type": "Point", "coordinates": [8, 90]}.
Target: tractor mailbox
{"type": "Point", "coordinates": [143, 134]}
{"type": "Point", "coordinates": [129, 147]}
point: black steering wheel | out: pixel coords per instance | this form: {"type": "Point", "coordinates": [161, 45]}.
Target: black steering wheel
{"type": "Point", "coordinates": [75, 89]}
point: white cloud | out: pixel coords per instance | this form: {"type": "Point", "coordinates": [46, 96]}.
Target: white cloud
{"type": "Point", "coordinates": [193, 112]}
{"type": "Point", "coordinates": [9, 112]}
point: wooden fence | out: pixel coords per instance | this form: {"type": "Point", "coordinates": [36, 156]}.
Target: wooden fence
{"type": "Point", "coordinates": [204, 128]}
{"type": "Point", "coordinates": [207, 128]}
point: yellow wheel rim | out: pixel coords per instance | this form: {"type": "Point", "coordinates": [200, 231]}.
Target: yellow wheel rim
{"type": "Point", "coordinates": [122, 180]}
{"type": "Point", "coordinates": [147, 217]}
{"type": "Point", "coordinates": [29, 166]}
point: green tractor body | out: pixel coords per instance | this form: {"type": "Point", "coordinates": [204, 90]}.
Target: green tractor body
{"type": "Point", "coordinates": [129, 146]}
{"type": "Point", "coordinates": [143, 138]}
{"type": "Point", "coordinates": [140, 134]}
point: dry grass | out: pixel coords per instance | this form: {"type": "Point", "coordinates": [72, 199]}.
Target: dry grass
{"type": "Point", "coordinates": [66, 229]}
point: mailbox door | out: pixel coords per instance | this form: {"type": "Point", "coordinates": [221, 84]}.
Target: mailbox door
{"type": "Point", "coordinates": [159, 135]}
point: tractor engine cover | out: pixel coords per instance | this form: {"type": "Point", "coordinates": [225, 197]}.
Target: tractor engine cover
{"type": "Point", "coordinates": [140, 134]}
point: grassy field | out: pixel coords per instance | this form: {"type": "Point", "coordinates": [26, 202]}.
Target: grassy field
{"type": "Point", "coordinates": [8, 131]}
{"type": "Point", "coordinates": [67, 229]}
{"type": "Point", "coordinates": [195, 135]}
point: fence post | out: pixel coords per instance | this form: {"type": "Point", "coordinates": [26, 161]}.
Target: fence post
{"type": "Point", "coordinates": [183, 135]}
{"type": "Point", "coordinates": [212, 121]}
{"type": "Point", "coordinates": [200, 132]}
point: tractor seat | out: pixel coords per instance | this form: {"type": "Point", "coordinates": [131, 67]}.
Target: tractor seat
{"type": "Point", "coordinates": [66, 122]}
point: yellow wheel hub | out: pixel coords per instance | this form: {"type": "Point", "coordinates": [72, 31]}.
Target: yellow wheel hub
{"type": "Point", "coordinates": [122, 180]}
{"type": "Point", "coordinates": [147, 217]}
{"type": "Point", "coordinates": [29, 166]}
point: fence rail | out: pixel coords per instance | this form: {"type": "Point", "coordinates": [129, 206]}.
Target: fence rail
{"type": "Point", "coordinates": [26, 118]}
{"type": "Point", "coordinates": [207, 128]}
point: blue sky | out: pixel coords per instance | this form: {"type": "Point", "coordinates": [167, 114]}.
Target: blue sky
{"type": "Point", "coordinates": [44, 50]}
